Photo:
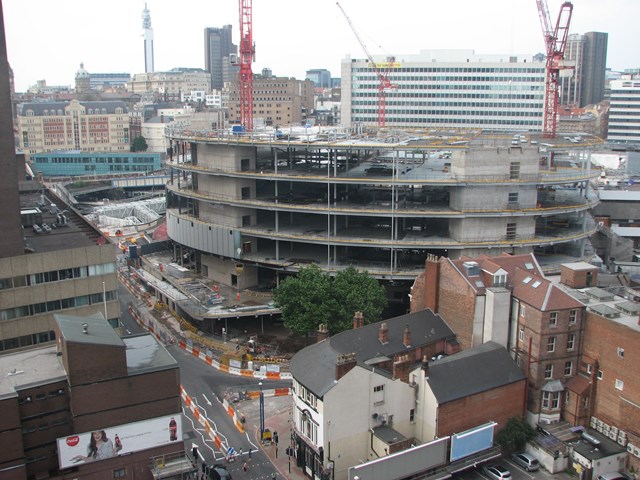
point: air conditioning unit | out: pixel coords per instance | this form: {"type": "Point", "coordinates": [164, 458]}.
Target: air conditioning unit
{"type": "Point", "coordinates": [636, 451]}
{"type": "Point", "coordinates": [612, 435]}
{"type": "Point", "coordinates": [629, 448]}
{"type": "Point", "coordinates": [614, 430]}
{"type": "Point", "coordinates": [594, 422]}
{"type": "Point", "coordinates": [622, 441]}
{"type": "Point", "coordinates": [605, 429]}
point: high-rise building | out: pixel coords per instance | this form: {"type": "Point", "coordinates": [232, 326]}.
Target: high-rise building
{"type": "Point", "coordinates": [624, 122]}
{"type": "Point", "coordinates": [587, 55]}
{"type": "Point", "coordinates": [594, 67]}
{"type": "Point", "coordinates": [321, 77]}
{"type": "Point", "coordinates": [218, 53]}
{"type": "Point", "coordinates": [448, 88]}
{"type": "Point", "coordinates": [148, 40]}
{"type": "Point", "coordinates": [10, 228]}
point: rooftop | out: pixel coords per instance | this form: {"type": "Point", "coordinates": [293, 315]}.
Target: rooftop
{"type": "Point", "coordinates": [28, 368]}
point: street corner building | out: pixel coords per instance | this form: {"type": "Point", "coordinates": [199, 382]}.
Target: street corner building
{"type": "Point", "coordinates": [91, 406]}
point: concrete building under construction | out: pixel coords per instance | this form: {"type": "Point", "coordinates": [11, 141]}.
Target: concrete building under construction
{"type": "Point", "coordinates": [247, 208]}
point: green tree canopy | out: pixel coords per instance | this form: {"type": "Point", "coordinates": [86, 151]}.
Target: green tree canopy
{"type": "Point", "coordinates": [139, 144]}
{"type": "Point", "coordinates": [313, 297]}
{"type": "Point", "coordinates": [515, 434]}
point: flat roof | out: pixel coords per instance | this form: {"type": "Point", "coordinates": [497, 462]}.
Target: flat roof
{"type": "Point", "coordinates": [29, 368]}
{"type": "Point", "coordinates": [77, 232]}
{"type": "Point", "coordinates": [146, 354]}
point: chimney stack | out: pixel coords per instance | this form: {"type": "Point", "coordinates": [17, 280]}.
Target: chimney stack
{"type": "Point", "coordinates": [406, 337]}
{"type": "Point", "coordinates": [358, 320]}
{"type": "Point", "coordinates": [431, 282]}
{"type": "Point", "coordinates": [344, 364]}
{"type": "Point", "coordinates": [383, 334]}
{"type": "Point", "coordinates": [322, 333]}
{"type": "Point", "coordinates": [425, 366]}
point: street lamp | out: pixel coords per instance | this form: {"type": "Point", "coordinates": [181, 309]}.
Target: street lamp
{"type": "Point", "coordinates": [261, 412]}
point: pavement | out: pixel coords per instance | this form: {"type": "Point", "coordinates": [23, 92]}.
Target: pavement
{"type": "Point", "coordinates": [277, 419]}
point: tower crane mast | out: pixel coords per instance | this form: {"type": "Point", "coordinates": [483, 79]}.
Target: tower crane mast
{"type": "Point", "coordinates": [555, 40]}
{"type": "Point", "coordinates": [381, 70]}
{"type": "Point", "coordinates": [245, 75]}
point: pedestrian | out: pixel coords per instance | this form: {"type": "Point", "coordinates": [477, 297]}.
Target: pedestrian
{"type": "Point", "coordinates": [249, 452]}
{"type": "Point", "coordinates": [245, 467]}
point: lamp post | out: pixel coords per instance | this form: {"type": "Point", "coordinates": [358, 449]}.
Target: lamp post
{"type": "Point", "coordinates": [261, 412]}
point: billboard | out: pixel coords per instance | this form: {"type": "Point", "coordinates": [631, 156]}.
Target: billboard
{"type": "Point", "coordinates": [110, 442]}
{"type": "Point", "coordinates": [472, 441]}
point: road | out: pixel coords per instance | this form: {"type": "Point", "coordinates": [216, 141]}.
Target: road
{"type": "Point", "coordinates": [207, 387]}
{"type": "Point", "coordinates": [517, 473]}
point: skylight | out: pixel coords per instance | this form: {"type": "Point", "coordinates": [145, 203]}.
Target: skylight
{"type": "Point", "coordinates": [536, 284]}
{"type": "Point", "coordinates": [526, 280]}
{"type": "Point", "coordinates": [528, 266]}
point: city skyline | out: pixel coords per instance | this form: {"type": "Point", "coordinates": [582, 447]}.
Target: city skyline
{"type": "Point", "coordinates": [290, 39]}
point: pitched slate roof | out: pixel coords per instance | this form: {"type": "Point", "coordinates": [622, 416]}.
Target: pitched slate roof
{"type": "Point", "coordinates": [315, 366]}
{"type": "Point", "coordinates": [541, 293]}
{"type": "Point", "coordinates": [490, 265]}
{"type": "Point", "coordinates": [472, 371]}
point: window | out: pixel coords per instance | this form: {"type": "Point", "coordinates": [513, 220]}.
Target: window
{"type": "Point", "coordinates": [548, 372]}
{"type": "Point", "coordinates": [513, 198]}
{"type": "Point", "coordinates": [521, 334]}
{"type": "Point", "coordinates": [120, 473]}
{"type": "Point", "coordinates": [555, 400]}
{"type": "Point", "coordinates": [619, 384]}
{"type": "Point", "coordinates": [551, 344]}
{"type": "Point", "coordinates": [571, 341]}
{"type": "Point", "coordinates": [545, 399]}
{"type": "Point", "coordinates": [511, 231]}
{"type": "Point", "coordinates": [553, 319]}
{"type": "Point", "coordinates": [568, 368]}
{"type": "Point", "coordinates": [522, 310]}
{"type": "Point", "coordinates": [500, 280]}
{"type": "Point", "coordinates": [573, 316]}
{"type": "Point", "coordinates": [600, 375]}
{"type": "Point", "coordinates": [378, 394]}
{"type": "Point", "coordinates": [620, 352]}
{"type": "Point", "coordinates": [566, 397]}
{"type": "Point", "coordinates": [412, 415]}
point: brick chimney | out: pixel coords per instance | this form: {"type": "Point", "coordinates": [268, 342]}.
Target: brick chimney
{"type": "Point", "coordinates": [344, 364]}
{"type": "Point", "coordinates": [402, 367]}
{"type": "Point", "coordinates": [406, 337]}
{"type": "Point", "coordinates": [431, 282]}
{"type": "Point", "coordinates": [358, 320]}
{"type": "Point", "coordinates": [383, 334]}
{"type": "Point", "coordinates": [322, 333]}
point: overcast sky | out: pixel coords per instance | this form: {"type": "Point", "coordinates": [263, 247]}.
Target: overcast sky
{"type": "Point", "coordinates": [48, 39]}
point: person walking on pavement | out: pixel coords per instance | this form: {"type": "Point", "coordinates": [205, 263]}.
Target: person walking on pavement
{"type": "Point", "coordinates": [245, 467]}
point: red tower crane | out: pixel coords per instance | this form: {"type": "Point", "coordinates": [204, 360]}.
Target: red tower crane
{"type": "Point", "coordinates": [247, 54]}
{"type": "Point", "coordinates": [555, 42]}
{"type": "Point", "coordinates": [381, 70]}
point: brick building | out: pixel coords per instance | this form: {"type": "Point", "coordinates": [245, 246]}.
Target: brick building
{"type": "Point", "coordinates": [609, 401]}
{"type": "Point", "coordinates": [90, 385]}
{"type": "Point", "coordinates": [88, 126]}
{"type": "Point", "coordinates": [506, 299]}
{"type": "Point", "coordinates": [468, 389]}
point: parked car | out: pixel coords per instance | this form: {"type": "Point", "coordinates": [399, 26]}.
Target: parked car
{"type": "Point", "coordinates": [219, 472]}
{"type": "Point", "coordinates": [496, 472]}
{"type": "Point", "coordinates": [526, 461]}
{"type": "Point", "coordinates": [612, 476]}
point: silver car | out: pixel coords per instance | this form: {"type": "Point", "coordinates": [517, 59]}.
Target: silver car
{"type": "Point", "coordinates": [496, 472]}
{"type": "Point", "coordinates": [526, 461]}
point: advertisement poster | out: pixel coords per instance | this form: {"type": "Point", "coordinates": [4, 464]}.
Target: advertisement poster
{"type": "Point", "coordinates": [110, 442]}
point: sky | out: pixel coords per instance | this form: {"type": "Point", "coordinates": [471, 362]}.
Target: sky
{"type": "Point", "coordinates": [48, 39]}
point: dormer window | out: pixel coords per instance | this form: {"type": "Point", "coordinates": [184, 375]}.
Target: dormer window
{"type": "Point", "coordinates": [500, 280]}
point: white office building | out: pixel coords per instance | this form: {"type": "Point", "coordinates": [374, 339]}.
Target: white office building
{"type": "Point", "coordinates": [624, 113]}
{"type": "Point", "coordinates": [448, 88]}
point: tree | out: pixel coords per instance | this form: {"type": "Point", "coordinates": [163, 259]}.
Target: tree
{"type": "Point", "coordinates": [515, 434]}
{"type": "Point", "coordinates": [139, 144]}
{"type": "Point", "coordinates": [313, 297]}
{"type": "Point", "coordinates": [355, 291]}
